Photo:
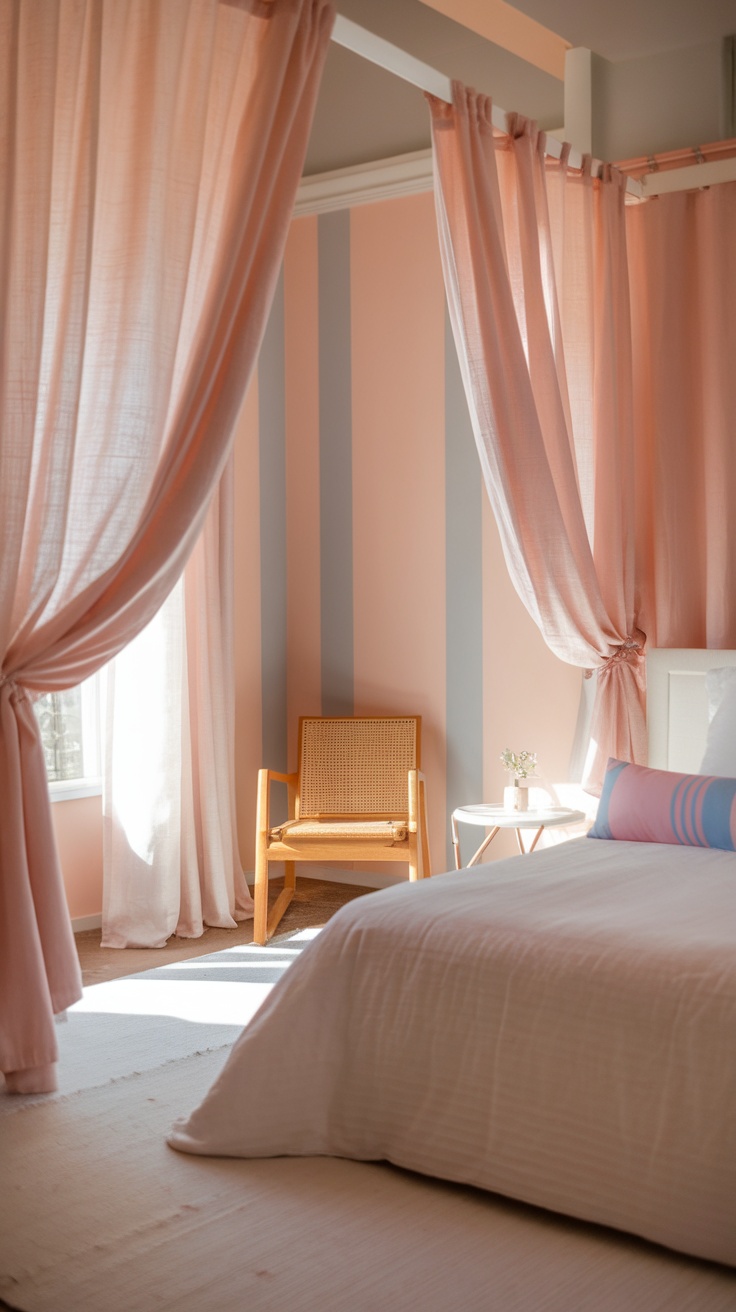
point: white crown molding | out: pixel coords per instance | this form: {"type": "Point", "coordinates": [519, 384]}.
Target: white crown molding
{"type": "Point", "coordinates": [401, 175]}
{"type": "Point", "coordinates": [407, 175]}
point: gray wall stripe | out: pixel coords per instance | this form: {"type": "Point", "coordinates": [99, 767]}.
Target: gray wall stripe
{"type": "Point", "coordinates": [272, 477]}
{"type": "Point", "coordinates": [336, 464]}
{"type": "Point", "coordinates": [464, 607]}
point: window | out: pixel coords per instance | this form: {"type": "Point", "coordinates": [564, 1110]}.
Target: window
{"type": "Point", "coordinates": [70, 733]}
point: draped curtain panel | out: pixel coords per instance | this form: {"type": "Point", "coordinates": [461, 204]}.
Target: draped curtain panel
{"type": "Point", "coordinates": [141, 142]}
{"type": "Point", "coordinates": [682, 258]}
{"type": "Point", "coordinates": [535, 268]}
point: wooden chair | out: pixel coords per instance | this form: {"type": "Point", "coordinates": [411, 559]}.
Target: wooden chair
{"type": "Point", "coordinates": [358, 795]}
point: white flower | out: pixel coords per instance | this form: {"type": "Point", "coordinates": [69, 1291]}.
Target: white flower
{"type": "Point", "coordinates": [519, 764]}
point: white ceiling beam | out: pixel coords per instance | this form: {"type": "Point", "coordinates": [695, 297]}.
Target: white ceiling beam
{"type": "Point", "coordinates": [374, 48]}
{"type": "Point", "coordinates": [578, 128]}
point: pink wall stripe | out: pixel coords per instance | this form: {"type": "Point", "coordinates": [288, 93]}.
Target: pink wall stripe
{"type": "Point", "coordinates": [398, 476]}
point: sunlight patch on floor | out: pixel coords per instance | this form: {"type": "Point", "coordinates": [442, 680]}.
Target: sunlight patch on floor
{"type": "Point", "coordinates": [213, 1003]}
{"type": "Point", "coordinates": [224, 988]}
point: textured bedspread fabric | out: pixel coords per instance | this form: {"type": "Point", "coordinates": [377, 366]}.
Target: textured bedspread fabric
{"type": "Point", "coordinates": [558, 1028]}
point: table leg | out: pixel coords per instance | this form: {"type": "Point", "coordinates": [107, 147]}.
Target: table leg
{"type": "Point", "coordinates": [536, 838]}
{"type": "Point", "coordinates": [483, 846]}
{"type": "Point", "coordinates": [526, 851]}
{"type": "Point", "coordinates": [455, 842]}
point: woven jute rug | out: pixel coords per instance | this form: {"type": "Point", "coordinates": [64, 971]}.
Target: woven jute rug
{"type": "Point", "coordinates": [139, 1022]}
{"type": "Point", "coordinates": [97, 1214]}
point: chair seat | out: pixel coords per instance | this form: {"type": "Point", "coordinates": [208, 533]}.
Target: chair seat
{"type": "Point", "coordinates": [382, 832]}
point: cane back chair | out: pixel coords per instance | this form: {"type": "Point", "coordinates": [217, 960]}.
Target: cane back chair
{"type": "Point", "coordinates": [357, 795]}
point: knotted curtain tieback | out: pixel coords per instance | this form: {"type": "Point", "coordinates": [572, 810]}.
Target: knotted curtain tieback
{"type": "Point", "coordinates": [628, 650]}
{"type": "Point", "coordinates": [17, 692]}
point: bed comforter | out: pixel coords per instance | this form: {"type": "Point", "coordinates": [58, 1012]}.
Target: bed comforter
{"type": "Point", "coordinates": [558, 1028]}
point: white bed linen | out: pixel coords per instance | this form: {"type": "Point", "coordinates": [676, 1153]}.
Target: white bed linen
{"type": "Point", "coordinates": [557, 1028]}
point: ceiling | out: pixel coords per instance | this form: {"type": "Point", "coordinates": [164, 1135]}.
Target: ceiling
{"type": "Point", "coordinates": [364, 113]}
{"type": "Point", "coordinates": [627, 29]}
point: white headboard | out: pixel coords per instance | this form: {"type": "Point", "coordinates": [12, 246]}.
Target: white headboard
{"type": "Point", "coordinates": [677, 704]}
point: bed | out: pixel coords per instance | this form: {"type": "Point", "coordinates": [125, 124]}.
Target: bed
{"type": "Point", "coordinates": [558, 1029]}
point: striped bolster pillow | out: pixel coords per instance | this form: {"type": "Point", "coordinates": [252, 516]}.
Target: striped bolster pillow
{"type": "Point", "coordinates": [660, 806]}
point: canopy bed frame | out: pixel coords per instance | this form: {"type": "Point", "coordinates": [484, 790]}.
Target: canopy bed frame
{"type": "Point", "coordinates": [677, 704]}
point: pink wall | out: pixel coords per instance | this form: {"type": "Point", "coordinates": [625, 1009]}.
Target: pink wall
{"type": "Point", "coordinates": [78, 828]}
{"type": "Point", "coordinates": [530, 698]}
{"type": "Point", "coordinates": [397, 302]}
{"type": "Point", "coordinates": [396, 427]}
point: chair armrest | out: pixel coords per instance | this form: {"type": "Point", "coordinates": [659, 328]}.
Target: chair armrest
{"type": "Point", "coordinates": [282, 778]}
{"type": "Point", "coordinates": [265, 778]}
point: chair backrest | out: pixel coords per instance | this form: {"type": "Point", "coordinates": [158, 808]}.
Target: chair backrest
{"type": "Point", "coordinates": [356, 766]}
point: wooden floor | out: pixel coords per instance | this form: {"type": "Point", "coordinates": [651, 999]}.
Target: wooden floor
{"type": "Point", "coordinates": [314, 901]}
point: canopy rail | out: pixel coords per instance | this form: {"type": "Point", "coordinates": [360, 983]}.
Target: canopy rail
{"type": "Point", "coordinates": [394, 60]}
{"type": "Point", "coordinates": [390, 57]}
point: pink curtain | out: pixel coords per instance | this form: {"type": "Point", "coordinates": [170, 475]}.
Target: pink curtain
{"type": "Point", "coordinates": [682, 258]}
{"type": "Point", "coordinates": [534, 260]}
{"type": "Point", "coordinates": [116, 420]}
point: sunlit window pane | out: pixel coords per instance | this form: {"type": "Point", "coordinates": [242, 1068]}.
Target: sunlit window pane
{"type": "Point", "coordinates": [69, 723]}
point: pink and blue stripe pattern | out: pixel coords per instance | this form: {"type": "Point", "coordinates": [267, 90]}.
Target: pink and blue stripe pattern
{"type": "Point", "coordinates": [660, 806]}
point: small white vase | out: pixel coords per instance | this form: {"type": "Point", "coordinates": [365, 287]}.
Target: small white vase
{"type": "Point", "coordinates": [516, 797]}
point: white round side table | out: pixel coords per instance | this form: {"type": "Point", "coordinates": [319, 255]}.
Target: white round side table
{"type": "Point", "coordinates": [495, 817]}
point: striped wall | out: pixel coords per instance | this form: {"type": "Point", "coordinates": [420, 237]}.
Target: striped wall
{"type": "Point", "coordinates": [369, 576]}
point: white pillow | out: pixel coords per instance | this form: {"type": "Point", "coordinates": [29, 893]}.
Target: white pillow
{"type": "Point", "coordinates": [720, 747]}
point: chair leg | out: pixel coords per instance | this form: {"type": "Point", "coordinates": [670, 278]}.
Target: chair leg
{"type": "Point", "coordinates": [413, 857]}
{"type": "Point", "coordinates": [260, 897]}
{"type": "Point", "coordinates": [277, 910]}
{"type": "Point", "coordinates": [283, 901]}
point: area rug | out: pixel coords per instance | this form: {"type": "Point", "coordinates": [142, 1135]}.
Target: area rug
{"type": "Point", "coordinates": [97, 1214]}
{"type": "Point", "coordinates": [139, 1022]}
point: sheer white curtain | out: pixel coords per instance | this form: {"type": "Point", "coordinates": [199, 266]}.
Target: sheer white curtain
{"type": "Point", "coordinates": [171, 859]}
